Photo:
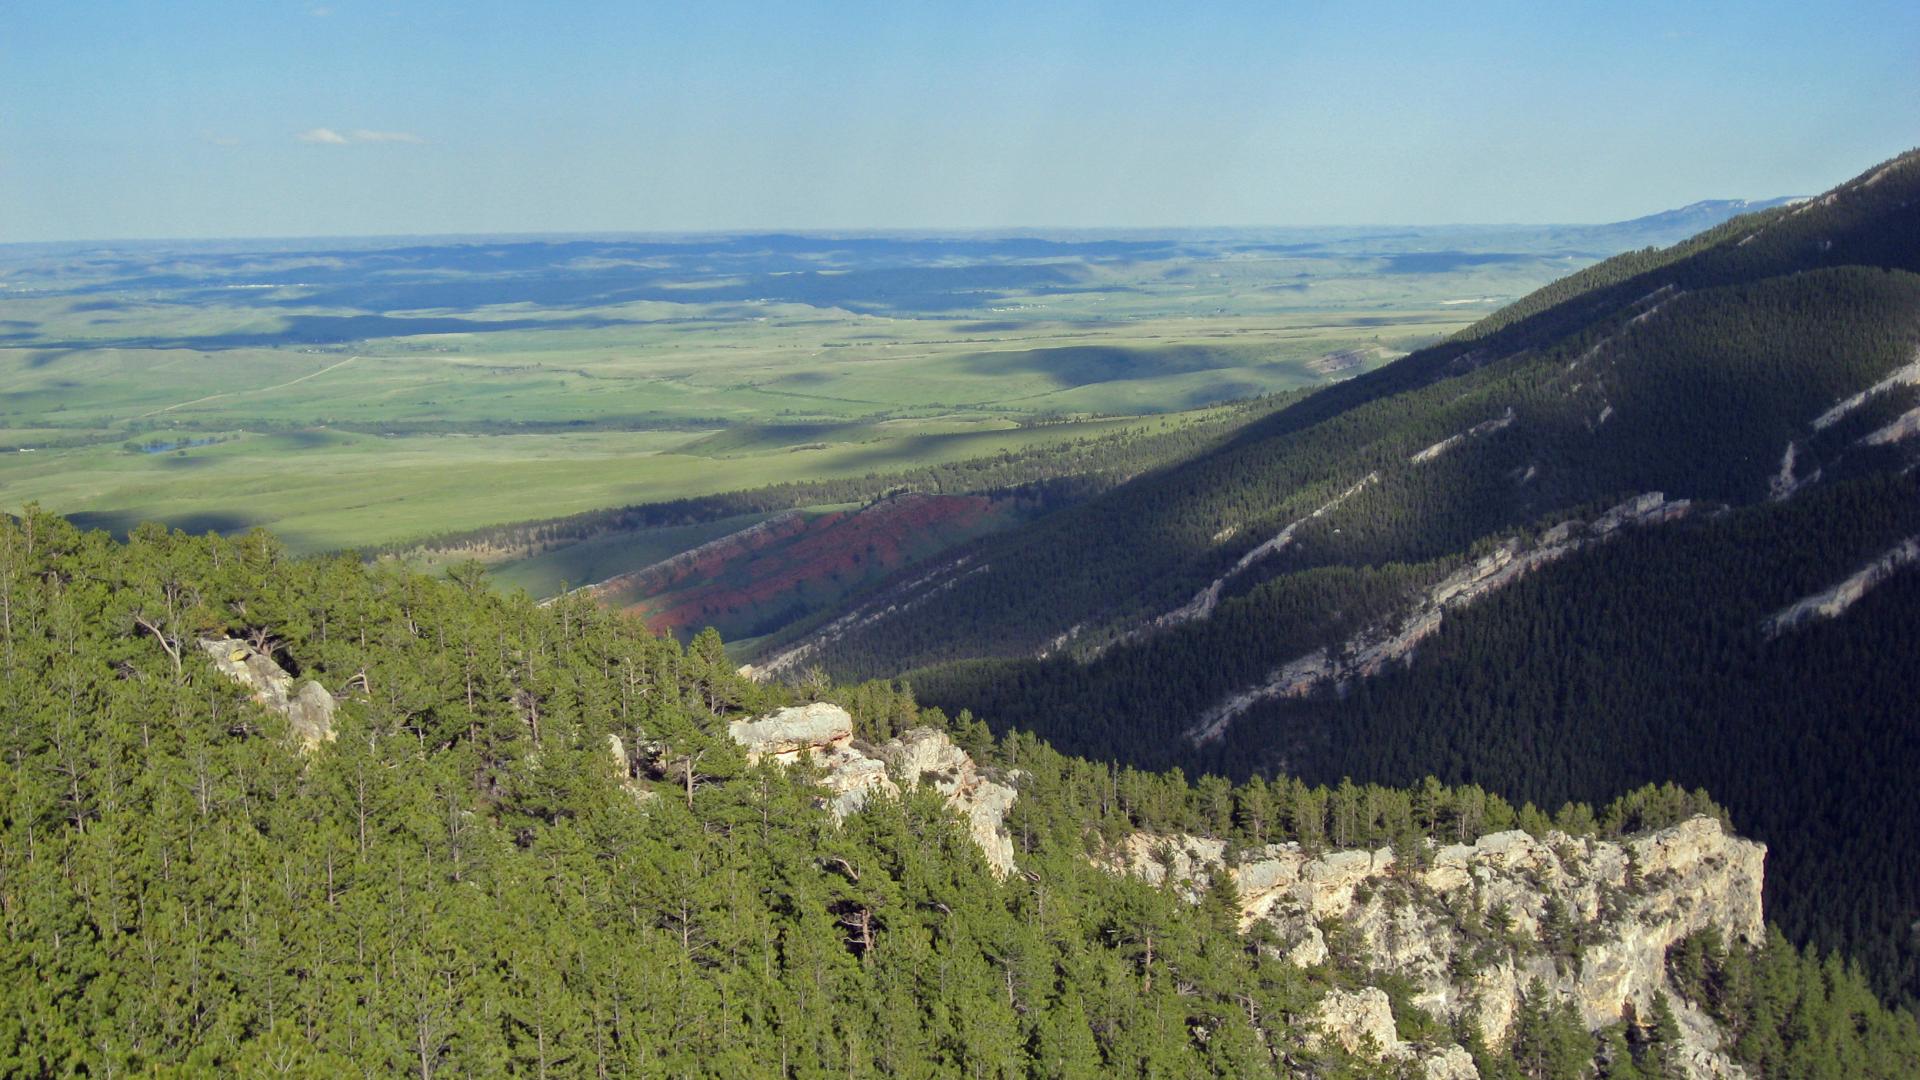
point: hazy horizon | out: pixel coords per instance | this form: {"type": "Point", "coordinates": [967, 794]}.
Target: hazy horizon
{"type": "Point", "coordinates": [221, 119]}
{"type": "Point", "coordinates": [931, 232]}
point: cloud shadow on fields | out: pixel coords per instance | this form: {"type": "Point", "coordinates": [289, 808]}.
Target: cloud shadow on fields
{"type": "Point", "coordinates": [121, 522]}
{"type": "Point", "coordinates": [1081, 365]}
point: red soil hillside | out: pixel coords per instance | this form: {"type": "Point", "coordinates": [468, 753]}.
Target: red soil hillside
{"type": "Point", "coordinates": [753, 581]}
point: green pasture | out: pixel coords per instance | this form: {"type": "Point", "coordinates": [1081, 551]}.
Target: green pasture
{"type": "Point", "coordinates": [529, 412]}
{"type": "Point", "coordinates": [323, 489]}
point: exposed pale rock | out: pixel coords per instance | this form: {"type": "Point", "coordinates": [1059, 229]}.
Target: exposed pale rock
{"type": "Point", "coordinates": [1360, 1021]}
{"type": "Point", "coordinates": [1834, 600]}
{"type": "Point", "coordinates": [1492, 1000]}
{"type": "Point", "coordinates": [1636, 898]}
{"type": "Point", "coordinates": [1189, 861]}
{"type": "Point", "coordinates": [311, 714]}
{"type": "Point", "coordinates": [1651, 508]}
{"type": "Point", "coordinates": [1309, 950]}
{"type": "Point", "coordinates": [1787, 481]}
{"type": "Point", "coordinates": [1483, 428]}
{"type": "Point", "coordinates": [1700, 1042]}
{"type": "Point", "coordinates": [927, 756]}
{"type": "Point", "coordinates": [1450, 1063]}
{"type": "Point", "coordinates": [1327, 884]}
{"type": "Point", "coordinates": [309, 711]}
{"type": "Point", "coordinates": [986, 813]}
{"type": "Point", "coordinates": [853, 772]}
{"type": "Point", "coordinates": [792, 732]}
{"type": "Point", "coordinates": [622, 765]}
{"type": "Point", "coordinates": [1203, 602]}
{"type": "Point", "coordinates": [1375, 649]}
{"type": "Point", "coordinates": [1562, 532]}
{"type": "Point", "coordinates": [1059, 641]}
{"type": "Point", "coordinates": [853, 777]}
{"type": "Point", "coordinates": [1905, 426]}
{"type": "Point", "coordinates": [1906, 375]}
{"type": "Point", "coordinates": [1655, 309]}
{"type": "Point", "coordinates": [821, 733]}
{"type": "Point", "coordinates": [1437, 449]}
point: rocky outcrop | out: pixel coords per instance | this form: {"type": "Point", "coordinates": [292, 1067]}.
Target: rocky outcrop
{"type": "Point", "coordinates": [1361, 1022]}
{"type": "Point", "coordinates": [853, 771]}
{"type": "Point", "coordinates": [1204, 601]}
{"type": "Point", "coordinates": [1450, 1063]}
{"type": "Point", "coordinates": [823, 734]}
{"type": "Point", "coordinates": [853, 777]}
{"type": "Point", "coordinates": [1833, 601]}
{"type": "Point", "coordinates": [1485, 427]}
{"type": "Point", "coordinates": [623, 766]}
{"type": "Point", "coordinates": [1787, 482]}
{"type": "Point", "coordinates": [891, 601]}
{"type": "Point", "coordinates": [1906, 375]}
{"type": "Point", "coordinates": [1369, 652]}
{"type": "Point", "coordinates": [927, 756]}
{"type": "Point", "coordinates": [1472, 926]}
{"type": "Point", "coordinates": [1904, 427]}
{"type": "Point", "coordinates": [309, 711]}
{"type": "Point", "coordinates": [790, 733]}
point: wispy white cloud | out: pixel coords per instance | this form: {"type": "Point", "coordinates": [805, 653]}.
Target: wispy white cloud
{"type": "Point", "coordinates": [217, 139]}
{"type": "Point", "coordinates": [330, 137]}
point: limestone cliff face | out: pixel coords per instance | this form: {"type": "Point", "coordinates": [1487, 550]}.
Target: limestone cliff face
{"type": "Point", "coordinates": [926, 756]}
{"type": "Point", "coordinates": [309, 711]}
{"type": "Point", "coordinates": [823, 734]}
{"type": "Point", "coordinates": [789, 734]}
{"type": "Point", "coordinates": [1475, 925]}
{"type": "Point", "coordinates": [1361, 1022]}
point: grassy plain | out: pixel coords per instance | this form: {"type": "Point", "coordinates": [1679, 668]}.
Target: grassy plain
{"type": "Point", "coordinates": [369, 394]}
{"type": "Point", "coordinates": [324, 489]}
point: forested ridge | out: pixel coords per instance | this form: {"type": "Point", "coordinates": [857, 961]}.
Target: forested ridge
{"type": "Point", "coordinates": [1759, 372]}
{"type": "Point", "coordinates": [1694, 393]}
{"type": "Point", "coordinates": [462, 882]}
{"type": "Point", "coordinates": [1643, 660]}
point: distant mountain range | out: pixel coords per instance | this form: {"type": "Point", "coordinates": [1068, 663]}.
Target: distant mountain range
{"type": "Point", "coordinates": [1700, 216]}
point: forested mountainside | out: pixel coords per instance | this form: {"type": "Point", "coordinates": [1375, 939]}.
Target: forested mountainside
{"type": "Point", "coordinates": [1706, 359]}
{"type": "Point", "coordinates": [1576, 520]}
{"type": "Point", "coordinates": [1649, 657]}
{"type": "Point", "coordinates": [277, 816]}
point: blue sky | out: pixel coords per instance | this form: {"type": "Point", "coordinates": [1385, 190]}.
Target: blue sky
{"type": "Point", "coordinates": [356, 117]}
